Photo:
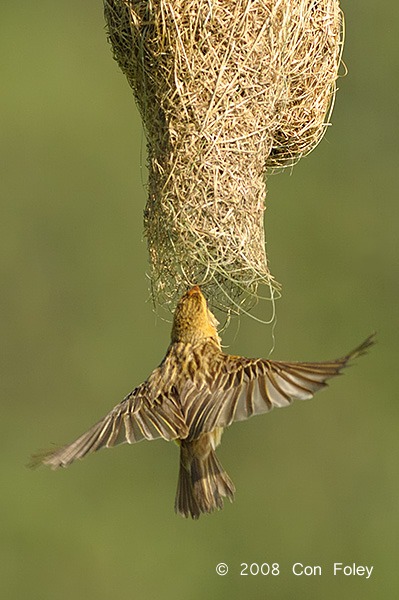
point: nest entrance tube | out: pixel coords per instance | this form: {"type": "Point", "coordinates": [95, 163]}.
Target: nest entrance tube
{"type": "Point", "coordinates": [225, 90]}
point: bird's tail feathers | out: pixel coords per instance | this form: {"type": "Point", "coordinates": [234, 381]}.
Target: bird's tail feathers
{"type": "Point", "coordinates": [202, 484]}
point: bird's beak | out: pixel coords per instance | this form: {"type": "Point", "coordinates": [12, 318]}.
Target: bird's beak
{"type": "Point", "coordinates": [194, 290]}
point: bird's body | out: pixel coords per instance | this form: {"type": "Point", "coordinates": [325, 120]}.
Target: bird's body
{"type": "Point", "coordinates": [195, 393]}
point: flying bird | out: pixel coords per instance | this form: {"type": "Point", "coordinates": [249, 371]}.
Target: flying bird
{"type": "Point", "coordinates": [195, 393]}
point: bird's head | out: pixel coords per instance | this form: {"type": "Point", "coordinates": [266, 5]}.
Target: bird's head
{"type": "Point", "coordinates": [193, 321]}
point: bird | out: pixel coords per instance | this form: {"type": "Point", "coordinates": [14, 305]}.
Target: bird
{"type": "Point", "coordinates": [192, 396]}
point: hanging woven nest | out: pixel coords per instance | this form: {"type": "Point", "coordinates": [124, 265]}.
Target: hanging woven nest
{"type": "Point", "coordinates": [225, 90]}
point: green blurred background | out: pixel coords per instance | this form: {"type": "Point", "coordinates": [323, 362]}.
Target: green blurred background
{"type": "Point", "coordinates": [317, 483]}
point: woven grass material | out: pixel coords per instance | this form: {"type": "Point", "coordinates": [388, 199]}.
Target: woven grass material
{"type": "Point", "coordinates": [226, 89]}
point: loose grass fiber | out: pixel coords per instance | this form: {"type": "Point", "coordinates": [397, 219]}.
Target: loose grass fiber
{"type": "Point", "coordinates": [226, 89]}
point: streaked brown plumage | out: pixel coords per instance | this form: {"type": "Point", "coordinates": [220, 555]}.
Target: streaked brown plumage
{"type": "Point", "coordinates": [195, 392]}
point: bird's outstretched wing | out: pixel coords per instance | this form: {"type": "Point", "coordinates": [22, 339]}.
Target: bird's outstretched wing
{"type": "Point", "coordinates": [136, 418]}
{"type": "Point", "coordinates": [243, 387]}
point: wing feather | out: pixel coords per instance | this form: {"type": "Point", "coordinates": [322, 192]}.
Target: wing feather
{"type": "Point", "coordinates": [243, 387]}
{"type": "Point", "coordinates": [134, 419]}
